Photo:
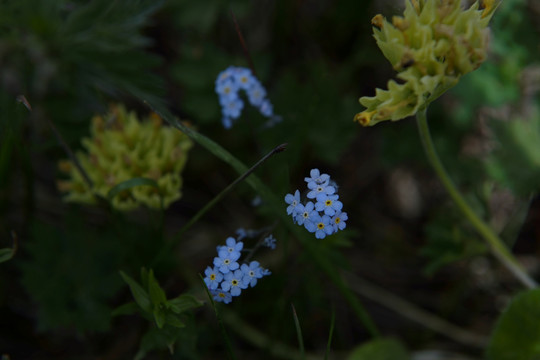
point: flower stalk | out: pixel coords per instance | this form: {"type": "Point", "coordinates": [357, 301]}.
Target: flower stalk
{"type": "Point", "coordinates": [496, 245]}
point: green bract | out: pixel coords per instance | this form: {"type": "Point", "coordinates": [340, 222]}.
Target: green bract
{"type": "Point", "coordinates": [145, 156]}
{"type": "Point", "coordinates": [431, 47]}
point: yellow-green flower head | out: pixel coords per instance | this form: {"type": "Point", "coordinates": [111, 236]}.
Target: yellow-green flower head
{"type": "Point", "coordinates": [122, 148]}
{"type": "Point", "coordinates": [431, 47]}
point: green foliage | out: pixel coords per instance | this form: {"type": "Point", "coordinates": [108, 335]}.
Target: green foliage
{"type": "Point", "coordinates": [71, 275]}
{"type": "Point", "coordinates": [153, 301]}
{"type": "Point", "coordinates": [517, 333]}
{"type": "Point", "coordinates": [449, 240]}
{"type": "Point", "coordinates": [57, 50]}
{"type": "Point", "coordinates": [167, 315]}
{"type": "Point", "coordinates": [515, 163]}
{"type": "Point", "coordinates": [322, 127]}
{"type": "Point", "coordinates": [380, 349]}
{"type": "Point", "coordinates": [6, 254]}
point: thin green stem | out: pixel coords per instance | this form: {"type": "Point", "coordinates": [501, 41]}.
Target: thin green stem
{"type": "Point", "coordinates": [167, 248]}
{"type": "Point", "coordinates": [498, 248]}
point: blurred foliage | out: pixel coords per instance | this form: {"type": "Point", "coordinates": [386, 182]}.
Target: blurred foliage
{"type": "Point", "coordinates": [517, 332]}
{"type": "Point", "coordinates": [380, 349]}
{"type": "Point", "coordinates": [449, 239]}
{"type": "Point", "coordinates": [65, 55]}
{"type": "Point", "coordinates": [72, 276]}
{"type": "Point", "coordinates": [515, 163]}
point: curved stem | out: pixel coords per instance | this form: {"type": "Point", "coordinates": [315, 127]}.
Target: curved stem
{"type": "Point", "coordinates": [498, 248]}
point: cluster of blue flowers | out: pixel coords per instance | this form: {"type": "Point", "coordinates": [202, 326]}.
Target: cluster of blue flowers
{"type": "Point", "coordinates": [322, 214]}
{"type": "Point", "coordinates": [227, 278]}
{"type": "Point", "coordinates": [228, 85]}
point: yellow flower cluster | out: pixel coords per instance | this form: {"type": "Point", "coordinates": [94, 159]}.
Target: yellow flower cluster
{"type": "Point", "coordinates": [122, 148]}
{"type": "Point", "coordinates": [431, 47]}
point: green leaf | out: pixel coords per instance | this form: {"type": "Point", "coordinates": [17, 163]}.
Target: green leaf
{"type": "Point", "coordinates": [174, 320]}
{"type": "Point", "coordinates": [157, 295]}
{"type": "Point", "coordinates": [183, 303]}
{"type": "Point", "coordinates": [517, 332]}
{"type": "Point", "coordinates": [380, 349]}
{"type": "Point", "coordinates": [6, 254]}
{"type": "Point", "coordinates": [159, 316]}
{"type": "Point", "coordinates": [139, 294]}
{"type": "Point", "coordinates": [144, 278]}
{"type": "Point", "coordinates": [126, 309]}
{"type": "Point", "coordinates": [128, 184]}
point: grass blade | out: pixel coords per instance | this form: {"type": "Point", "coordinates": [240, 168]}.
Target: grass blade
{"type": "Point", "coordinates": [299, 333]}
{"type": "Point", "coordinates": [331, 334]}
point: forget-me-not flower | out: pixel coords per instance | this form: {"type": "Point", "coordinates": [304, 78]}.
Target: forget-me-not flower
{"type": "Point", "coordinates": [270, 242]}
{"type": "Point", "coordinates": [227, 278]}
{"type": "Point", "coordinates": [317, 178]}
{"type": "Point", "coordinates": [323, 227]}
{"type": "Point", "coordinates": [317, 189]}
{"type": "Point", "coordinates": [225, 263]}
{"type": "Point", "coordinates": [338, 220]}
{"type": "Point", "coordinates": [234, 282]}
{"type": "Point", "coordinates": [228, 85]}
{"type": "Point", "coordinates": [307, 214]}
{"type": "Point", "coordinates": [221, 296]}
{"type": "Point", "coordinates": [252, 272]}
{"type": "Point", "coordinates": [213, 278]}
{"type": "Point", "coordinates": [329, 204]}
{"type": "Point", "coordinates": [324, 215]}
{"type": "Point", "coordinates": [293, 201]}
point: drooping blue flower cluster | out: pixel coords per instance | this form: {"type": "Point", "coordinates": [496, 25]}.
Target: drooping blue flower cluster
{"type": "Point", "coordinates": [227, 278]}
{"type": "Point", "coordinates": [228, 85]}
{"type": "Point", "coordinates": [322, 214]}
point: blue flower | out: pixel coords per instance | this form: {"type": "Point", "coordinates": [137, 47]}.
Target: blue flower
{"type": "Point", "coordinates": [293, 201]}
{"type": "Point", "coordinates": [228, 84]}
{"type": "Point", "coordinates": [329, 204]}
{"type": "Point", "coordinates": [240, 233]}
{"type": "Point", "coordinates": [244, 78]}
{"type": "Point", "coordinates": [266, 272]}
{"type": "Point", "coordinates": [307, 214]}
{"type": "Point", "coordinates": [233, 248]}
{"type": "Point", "coordinates": [338, 220]}
{"type": "Point", "coordinates": [323, 227]}
{"type": "Point", "coordinates": [221, 296]}
{"type": "Point", "coordinates": [317, 189]}
{"type": "Point", "coordinates": [232, 107]}
{"type": "Point", "coordinates": [227, 122]}
{"type": "Point", "coordinates": [252, 272]}
{"type": "Point", "coordinates": [266, 108]}
{"type": "Point", "coordinates": [213, 278]}
{"type": "Point", "coordinates": [234, 282]}
{"type": "Point", "coordinates": [225, 74]}
{"type": "Point", "coordinates": [270, 242]}
{"type": "Point", "coordinates": [225, 263]}
{"type": "Point", "coordinates": [317, 178]}
{"type": "Point", "coordinates": [227, 90]}
{"type": "Point", "coordinates": [256, 94]}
